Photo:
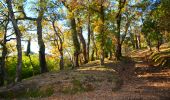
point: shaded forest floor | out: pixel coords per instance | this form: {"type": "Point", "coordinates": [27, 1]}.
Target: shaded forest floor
{"type": "Point", "coordinates": [133, 78]}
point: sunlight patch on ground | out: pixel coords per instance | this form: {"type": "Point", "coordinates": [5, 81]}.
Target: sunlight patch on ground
{"type": "Point", "coordinates": [96, 68]}
{"type": "Point", "coordinates": [141, 65]}
{"type": "Point", "coordinates": [159, 84]}
{"type": "Point", "coordinates": [160, 74]}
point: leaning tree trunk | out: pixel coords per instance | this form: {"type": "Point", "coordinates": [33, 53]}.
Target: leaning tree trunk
{"type": "Point", "coordinates": [76, 43]}
{"type": "Point", "coordinates": [83, 42]}
{"type": "Point", "coordinates": [60, 46]}
{"type": "Point", "coordinates": [18, 38]}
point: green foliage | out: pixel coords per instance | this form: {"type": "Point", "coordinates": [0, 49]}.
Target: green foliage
{"type": "Point", "coordinates": [28, 69]}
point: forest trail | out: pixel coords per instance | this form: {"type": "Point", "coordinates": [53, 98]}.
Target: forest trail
{"type": "Point", "coordinates": [138, 81]}
{"type": "Point", "coordinates": [130, 79]}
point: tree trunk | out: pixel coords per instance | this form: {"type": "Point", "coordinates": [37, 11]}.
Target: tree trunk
{"type": "Point", "coordinates": [18, 38]}
{"type": "Point", "coordinates": [3, 74]}
{"type": "Point", "coordinates": [83, 42]}
{"type": "Point", "coordinates": [61, 59]}
{"type": "Point", "coordinates": [118, 44]}
{"type": "Point", "coordinates": [118, 52]}
{"type": "Point", "coordinates": [75, 42]}
{"type": "Point", "coordinates": [60, 47]}
{"type": "Point", "coordinates": [2, 66]}
{"type": "Point", "coordinates": [102, 55]}
{"type": "Point", "coordinates": [92, 55]}
{"type": "Point", "coordinates": [42, 59]}
{"type": "Point", "coordinates": [28, 47]}
{"type": "Point", "coordinates": [139, 41]}
{"type": "Point", "coordinates": [149, 44]}
{"type": "Point", "coordinates": [94, 45]}
{"type": "Point", "coordinates": [136, 42]}
{"type": "Point", "coordinates": [2, 62]}
{"type": "Point", "coordinates": [110, 57]}
{"type": "Point", "coordinates": [89, 33]}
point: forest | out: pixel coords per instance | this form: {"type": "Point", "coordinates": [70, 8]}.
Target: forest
{"type": "Point", "coordinates": [85, 49]}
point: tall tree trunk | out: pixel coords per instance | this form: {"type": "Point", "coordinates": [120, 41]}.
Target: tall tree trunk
{"type": "Point", "coordinates": [83, 42]}
{"type": "Point", "coordinates": [75, 42]}
{"type": "Point", "coordinates": [89, 34]}
{"type": "Point", "coordinates": [132, 40]}
{"type": "Point", "coordinates": [42, 59]}
{"type": "Point", "coordinates": [3, 73]}
{"type": "Point", "coordinates": [118, 44]}
{"type": "Point", "coordinates": [92, 55]}
{"type": "Point", "coordinates": [94, 45]}
{"type": "Point", "coordinates": [18, 38]}
{"type": "Point", "coordinates": [136, 42]}
{"type": "Point", "coordinates": [119, 18]}
{"type": "Point", "coordinates": [139, 41]}
{"type": "Point", "coordinates": [102, 55]}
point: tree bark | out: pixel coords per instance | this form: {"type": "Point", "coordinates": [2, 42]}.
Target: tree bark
{"type": "Point", "coordinates": [18, 38]}
{"type": "Point", "coordinates": [89, 34]}
{"type": "Point", "coordinates": [28, 47]}
{"type": "Point", "coordinates": [118, 52]}
{"type": "Point", "coordinates": [42, 59]}
{"type": "Point", "coordinates": [136, 42]}
{"type": "Point", "coordinates": [75, 42]}
{"type": "Point", "coordinates": [94, 45]}
{"type": "Point", "coordinates": [3, 74]}
{"type": "Point", "coordinates": [83, 42]}
{"type": "Point", "coordinates": [118, 44]}
{"type": "Point", "coordinates": [102, 55]}
{"type": "Point", "coordinates": [92, 55]}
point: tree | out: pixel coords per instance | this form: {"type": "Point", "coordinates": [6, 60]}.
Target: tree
{"type": "Point", "coordinates": [3, 73]}
{"type": "Point", "coordinates": [39, 19]}
{"type": "Point", "coordinates": [72, 20]}
{"type": "Point", "coordinates": [118, 52]}
{"type": "Point", "coordinates": [42, 59]}
{"type": "Point", "coordinates": [18, 38]}
{"type": "Point", "coordinates": [82, 40]}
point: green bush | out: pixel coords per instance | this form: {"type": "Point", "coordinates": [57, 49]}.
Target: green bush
{"type": "Point", "coordinates": [31, 68]}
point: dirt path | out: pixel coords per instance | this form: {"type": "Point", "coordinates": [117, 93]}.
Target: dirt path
{"type": "Point", "coordinates": [143, 82]}
{"type": "Point", "coordinates": [139, 81]}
